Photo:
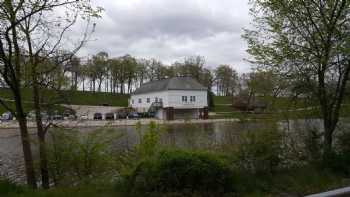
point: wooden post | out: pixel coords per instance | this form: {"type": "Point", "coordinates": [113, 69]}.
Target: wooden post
{"type": "Point", "coordinates": [169, 113]}
{"type": "Point", "coordinates": [205, 113]}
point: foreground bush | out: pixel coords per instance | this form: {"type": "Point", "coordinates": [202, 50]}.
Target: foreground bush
{"type": "Point", "coordinates": [76, 157]}
{"type": "Point", "coordinates": [181, 171]}
{"type": "Point", "coordinates": [259, 151]}
{"type": "Point", "coordinates": [6, 187]}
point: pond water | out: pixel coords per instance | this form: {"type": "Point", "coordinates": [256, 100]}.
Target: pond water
{"type": "Point", "coordinates": [206, 135]}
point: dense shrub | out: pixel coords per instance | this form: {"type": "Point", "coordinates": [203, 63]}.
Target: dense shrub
{"type": "Point", "coordinates": [339, 161]}
{"type": "Point", "coordinates": [75, 157]}
{"type": "Point", "coordinates": [6, 187]}
{"type": "Point", "coordinates": [181, 171]}
{"type": "Point", "coordinates": [259, 151]}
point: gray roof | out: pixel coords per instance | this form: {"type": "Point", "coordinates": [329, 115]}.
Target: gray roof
{"type": "Point", "coordinates": [175, 83]}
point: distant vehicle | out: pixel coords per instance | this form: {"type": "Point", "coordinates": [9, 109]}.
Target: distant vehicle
{"type": "Point", "coordinates": [7, 116]}
{"type": "Point", "coordinates": [84, 117]}
{"type": "Point", "coordinates": [97, 116]}
{"type": "Point", "coordinates": [57, 117]}
{"type": "Point", "coordinates": [133, 115]}
{"type": "Point", "coordinates": [32, 116]}
{"type": "Point", "coordinates": [109, 116]}
{"type": "Point", "coordinates": [71, 117]}
{"type": "Point", "coordinates": [143, 115]}
{"type": "Point", "coordinates": [121, 115]}
{"type": "Point", "coordinates": [44, 116]}
{"type": "Point", "coordinates": [151, 114]}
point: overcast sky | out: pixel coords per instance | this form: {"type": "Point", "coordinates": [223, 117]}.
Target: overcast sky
{"type": "Point", "coordinates": [170, 30]}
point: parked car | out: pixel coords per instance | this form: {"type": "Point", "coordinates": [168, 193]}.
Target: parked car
{"type": "Point", "coordinates": [6, 116]}
{"type": "Point", "coordinates": [109, 116]}
{"type": "Point", "coordinates": [32, 116]}
{"type": "Point", "coordinates": [121, 115]}
{"type": "Point", "coordinates": [84, 117]}
{"type": "Point", "coordinates": [97, 116]}
{"type": "Point", "coordinates": [151, 114]}
{"type": "Point", "coordinates": [57, 117]}
{"type": "Point", "coordinates": [69, 115]}
{"type": "Point", "coordinates": [44, 116]}
{"type": "Point", "coordinates": [133, 115]}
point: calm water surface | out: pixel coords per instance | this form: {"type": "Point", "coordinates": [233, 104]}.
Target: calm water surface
{"type": "Point", "coordinates": [178, 135]}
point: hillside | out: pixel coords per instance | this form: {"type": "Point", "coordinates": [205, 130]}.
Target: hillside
{"type": "Point", "coordinates": [222, 103]}
{"type": "Point", "coordinates": [68, 97]}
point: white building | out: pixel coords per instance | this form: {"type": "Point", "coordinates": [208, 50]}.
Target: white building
{"type": "Point", "coordinates": [173, 98]}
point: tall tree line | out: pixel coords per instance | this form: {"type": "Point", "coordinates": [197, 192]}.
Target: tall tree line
{"type": "Point", "coordinates": [122, 75]}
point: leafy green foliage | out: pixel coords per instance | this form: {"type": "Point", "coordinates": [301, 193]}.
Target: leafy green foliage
{"type": "Point", "coordinates": [259, 151]}
{"type": "Point", "coordinates": [179, 170]}
{"type": "Point", "coordinates": [6, 187]}
{"type": "Point", "coordinates": [149, 141]}
{"type": "Point", "coordinates": [76, 157]}
{"type": "Point", "coordinates": [91, 190]}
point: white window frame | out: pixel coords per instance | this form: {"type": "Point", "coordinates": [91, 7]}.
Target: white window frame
{"type": "Point", "coordinates": [193, 98]}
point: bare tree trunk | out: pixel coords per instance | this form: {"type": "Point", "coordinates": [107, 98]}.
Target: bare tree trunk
{"type": "Point", "coordinates": [83, 85]}
{"type": "Point", "coordinates": [122, 88]}
{"type": "Point", "coordinates": [76, 81]}
{"type": "Point", "coordinates": [45, 181]}
{"type": "Point", "coordinates": [27, 151]}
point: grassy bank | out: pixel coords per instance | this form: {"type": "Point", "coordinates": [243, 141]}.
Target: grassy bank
{"type": "Point", "coordinates": [279, 108]}
{"type": "Point", "coordinates": [67, 97]}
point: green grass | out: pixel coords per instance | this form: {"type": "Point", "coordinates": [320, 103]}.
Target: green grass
{"type": "Point", "coordinates": [295, 182]}
{"type": "Point", "coordinates": [223, 100]}
{"type": "Point", "coordinates": [91, 190]}
{"type": "Point", "coordinates": [67, 97]}
{"type": "Point", "coordinates": [282, 108]}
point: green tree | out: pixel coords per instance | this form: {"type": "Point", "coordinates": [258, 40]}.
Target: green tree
{"type": "Point", "coordinates": [30, 51]}
{"type": "Point", "coordinates": [307, 41]}
{"type": "Point", "coordinates": [226, 80]}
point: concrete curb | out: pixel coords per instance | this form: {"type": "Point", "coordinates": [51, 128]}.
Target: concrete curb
{"type": "Point", "coordinates": [343, 192]}
{"type": "Point", "coordinates": [115, 123]}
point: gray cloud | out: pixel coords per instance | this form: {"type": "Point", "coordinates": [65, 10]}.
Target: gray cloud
{"type": "Point", "coordinates": [170, 30]}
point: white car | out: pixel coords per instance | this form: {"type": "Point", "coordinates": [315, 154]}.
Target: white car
{"type": "Point", "coordinates": [84, 117]}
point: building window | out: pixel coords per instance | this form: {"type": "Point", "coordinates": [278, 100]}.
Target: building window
{"type": "Point", "coordinates": [184, 98]}
{"type": "Point", "coordinates": [160, 100]}
{"type": "Point", "coordinates": [193, 98]}
{"type": "Point", "coordinates": [148, 100]}
{"type": "Point", "coordinates": [132, 101]}
{"type": "Point", "coordinates": [156, 99]}
{"type": "Point", "coordinates": [140, 100]}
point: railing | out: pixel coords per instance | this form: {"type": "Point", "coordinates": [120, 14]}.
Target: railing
{"type": "Point", "coordinates": [155, 106]}
{"type": "Point", "coordinates": [343, 192]}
